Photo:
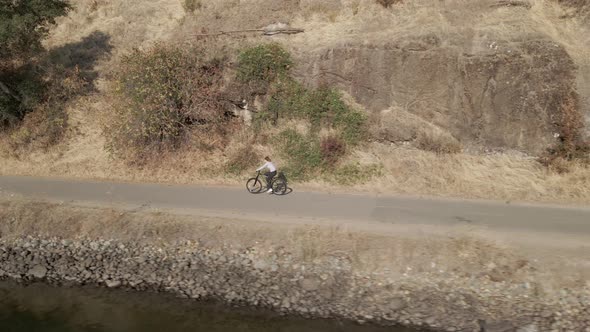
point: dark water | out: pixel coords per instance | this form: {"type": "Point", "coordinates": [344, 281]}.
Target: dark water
{"type": "Point", "coordinates": [41, 308]}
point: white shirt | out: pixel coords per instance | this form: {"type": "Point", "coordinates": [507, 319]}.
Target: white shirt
{"type": "Point", "coordinates": [271, 167]}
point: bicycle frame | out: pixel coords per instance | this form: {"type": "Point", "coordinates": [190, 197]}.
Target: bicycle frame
{"type": "Point", "coordinates": [258, 173]}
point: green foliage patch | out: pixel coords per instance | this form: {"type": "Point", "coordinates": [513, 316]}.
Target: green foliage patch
{"type": "Point", "coordinates": [307, 154]}
{"type": "Point", "coordinates": [263, 63]}
{"type": "Point", "coordinates": [302, 153]}
{"type": "Point", "coordinates": [23, 25]}
{"type": "Point", "coordinates": [323, 108]}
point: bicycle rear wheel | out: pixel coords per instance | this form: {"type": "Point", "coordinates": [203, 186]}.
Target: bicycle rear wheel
{"type": "Point", "coordinates": [254, 185]}
{"type": "Point", "coordinates": [279, 187]}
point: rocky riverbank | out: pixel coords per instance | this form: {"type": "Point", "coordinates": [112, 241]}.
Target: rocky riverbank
{"type": "Point", "coordinates": [328, 287]}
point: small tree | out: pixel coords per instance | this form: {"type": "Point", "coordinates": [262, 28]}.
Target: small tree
{"type": "Point", "coordinates": [23, 25]}
{"type": "Point", "coordinates": [161, 94]}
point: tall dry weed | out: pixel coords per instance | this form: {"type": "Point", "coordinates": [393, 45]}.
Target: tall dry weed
{"type": "Point", "coordinates": [571, 145]}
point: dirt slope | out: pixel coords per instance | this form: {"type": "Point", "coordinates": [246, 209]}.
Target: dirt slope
{"type": "Point", "coordinates": [492, 73]}
{"type": "Point", "coordinates": [479, 73]}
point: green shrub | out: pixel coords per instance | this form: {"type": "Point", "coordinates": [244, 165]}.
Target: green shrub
{"type": "Point", "coordinates": [350, 121]}
{"type": "Point", "coordinates": [303, 155]}
{"type": "Point", "coordinates": [323, 108]}
{"type": "Point", "coordinates": [23, 94]}
{"type": "Point", "coordinates": [308, 156]}
{"type": "Point", "coordinates": [263, 63]}
{"type": "Point", "coordinates": [161, 95]}
{"type": "Point", "coordinates": [288, 100]}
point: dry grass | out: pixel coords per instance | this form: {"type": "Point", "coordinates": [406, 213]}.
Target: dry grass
{"type": "Point", "coordinates": [329, 10]}
{"type": "Point", "coordinates": [496, 176]}
{"type": "Point", "coordinates": [405, 170]}
{"type": "Point", "coordinates": [129, 23]}
{"type": "Point", "coordinates": [501, 176]}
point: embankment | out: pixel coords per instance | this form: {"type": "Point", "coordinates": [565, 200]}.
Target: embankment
{"type": "Point", "coordinates": [451, 282]}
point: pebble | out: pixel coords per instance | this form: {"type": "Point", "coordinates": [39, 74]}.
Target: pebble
{"type": "Point", "coordinates": [38, 271]}
{"type": "Point", "coordinates": [113, 283]}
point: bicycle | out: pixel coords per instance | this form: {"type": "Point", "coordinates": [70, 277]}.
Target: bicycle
{"type": "Point", "coordinates": [278, 184]}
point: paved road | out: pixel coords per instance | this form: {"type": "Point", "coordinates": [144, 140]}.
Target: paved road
{"type": "Point", "coordinates": [357, 208]}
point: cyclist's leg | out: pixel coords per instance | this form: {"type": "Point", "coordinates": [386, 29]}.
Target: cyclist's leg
{"type": "Point", "coordinates": [269, 177]}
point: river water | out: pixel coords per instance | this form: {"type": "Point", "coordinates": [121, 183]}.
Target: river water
{"type": "Point", "coordinates": [42, 308]}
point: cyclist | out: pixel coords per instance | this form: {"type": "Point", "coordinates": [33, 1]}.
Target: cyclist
{"type": "Point", "coordinates": [272, 172]}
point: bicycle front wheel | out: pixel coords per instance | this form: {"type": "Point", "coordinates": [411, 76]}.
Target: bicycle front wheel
{"type": "Point", "coordinates": [254, 185]}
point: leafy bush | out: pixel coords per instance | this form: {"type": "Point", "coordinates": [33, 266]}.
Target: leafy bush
{"type": "Point", "coordinates": [323, 108]}
{"type": "Point", "coordinates": [302, 153]}
{"type": "Point", "coordinates": [306, 155]}
{"type": "Point", "coordinates": [288, 100]}
{"type": "Point", "coordinates": [327, 109]}
{"type": "Point", "coordinates": [263, 63]}
{"type": "Point", "coordinates": [22, 95]}
{"type": "Point", "coordinates": [161, 95]}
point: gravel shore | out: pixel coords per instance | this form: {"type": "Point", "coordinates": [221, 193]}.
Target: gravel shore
{"type": "Point", "coordinates": [328, 287]}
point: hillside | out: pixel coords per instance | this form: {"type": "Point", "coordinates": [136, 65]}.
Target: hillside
{"type": "Point", "coordinates": [461, 96]}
